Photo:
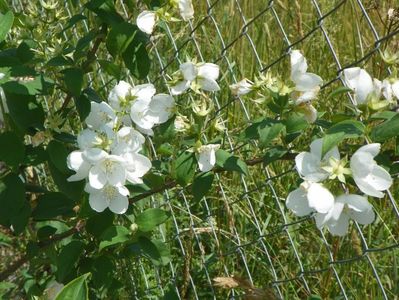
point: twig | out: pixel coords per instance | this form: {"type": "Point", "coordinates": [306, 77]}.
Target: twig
{"type": "Point", "coordinates": [90, 58]}
{"type": "Point", "coordinates": [42, 245]}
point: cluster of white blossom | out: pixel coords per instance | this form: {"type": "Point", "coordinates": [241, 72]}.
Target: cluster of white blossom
{"type": "Point", "coordinates": [306, 89]}
{"type": "Point", "coordinates": [147, 19]}
{"type": "Point", "coordinates": [109, 148]}
{"type": "Point", "coordinates": [371, 91]}
{"type": "Point", "coordinates": [330, 211]}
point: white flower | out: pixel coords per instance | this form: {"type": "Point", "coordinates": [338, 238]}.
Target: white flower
{"type": "Point", "coordinates": [196, 76]}
{"type": "Point", "coordinates": [77, 162]}
{"type": "Point", "coordinates": [360, 82]}
{"type": "Point", "coordinates": [207, 156]}
{"type": "Point", "coordinates": [2, 75]}
{"type": "Point", "coordinates": [109, 170]}
{"type": "Point", "coordinates": [146, 21]}
{"type": "Point", "coordinates": [182, 123]}
{"type": "Point", "coordinates": [128, 140]}
{"type": "Point", "coordinates": [309, 197]}
{"type": "Point", "coordinates": [346, 207]}
{"type": "Point", "coordinates": [308, 84]}
{"type": "Point", "coordinates": [241, 88]}
{"type": "Point", "coordinates": [82, 161]}
{"type": "Point", "coordinates": [89, 138]}
{"type": "Point", "coordinates": [113, 197]}
{"type": "Point", "coordinates": [186, 9]}
{"type": "Point", "coordinates": [137, 166]}
{"type": "Point", "coordinates": [369, 177]}
{"type": "Point", "coordinates": [309, 164]}
{"type": "Point", "coordinates": [395, 88]}
{"type": "Point", "coordinates": [101, 117]}
{"type": "Point", "coordinates": [146, 113]}
{"type": "Point", "coordinates": [309, 112]}
{"type": "Point", "coordinates": [119, 95]}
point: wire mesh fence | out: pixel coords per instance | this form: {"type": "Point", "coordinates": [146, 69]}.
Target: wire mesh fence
{"type": "Point", "coordinates": [243, 227]}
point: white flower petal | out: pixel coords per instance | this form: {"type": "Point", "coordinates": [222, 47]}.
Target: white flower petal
{"type": "Point", "coordinates": [209, 85]}
{"type": "Point", "coordinates": [146, 21]}
{"type": "Point", "coordinates": [339, 227]}
{"type": "Point", "coordinates": [97, 177]}
{"type": "Point", "coordinates": [207, 157]}
{"type": "Point", "coordinates": [101, 114]}
{"type": "Point", "coordinates": [94, 155]}
{"type": "Point", "coordinates": [372, 149]}
{"type": "Point", "coordinates": [307, 82]}
{"type": "Point", "coordinates": [310, 113]}
{"type": "Point", "coordinates": [137, 166]}
{"type": "Point", "coordinates": [308, 166]}
{"type": "Point", "coordinates": [241, 88]}
{"type": "Point", "coordinates": [316, 149]}
{"type": "Point", "coordinates": [180, 87]}
{"type": "Point", "coordinates": [395, 88]}
{"type": "Point", "coordinates": [320, 198]}
{"type": "Point", "coordinates": [366, 188]}
{"type": "Point", "coordinates": [186, 9]}
{"type": "Point", "coordinates": [76, 162]}
{"type": "Point", "coordinates": [299, 65]}
{"type": "Point", "coordinates": [355, 202]}
{"type": "Point", "coordinates": [161, 108]}
{"type": "Point", "coordinates": [119, 204]}
{"type": "Point", "coordinates": [189, 71]}
{"type": "Point", "coordinates": [88, 138]}
{"type": "Point", "coordinates": [297, 202]}
{"type": "Point", "coordinates": [364, 217]}
{"type": "Point", "coordinates": [360, 82]}
{"type": "Point", "coordinates": [120, 91]}
{"type": "Point", "coordinates": [144, 92]}
{"type": "Point", "coordinates": [209, 71]}
{"type": "Point", "coordinates": [98, 201]}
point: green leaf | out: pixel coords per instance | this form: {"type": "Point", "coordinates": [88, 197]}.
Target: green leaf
{"type": "Point", "coordinates": [274, 154]}
{"type": "Point", "coordinates": [331, 140]}
{"type": "Point", "coordinates": [229, 162]}
{"type": "Point", "coordinates": [72, 190]}
{"type": "Point", "coordinates": [268, 133]}
{"type": "Point", "coordinates": [340, 131]}
{"type": "Point", "coordinates": [83, 106]}
{"type": "Point", "coordinates": [35, 155]}
{"type": "Point", "coordinates": [202, 184]}
{"type": "Point", "coordinates": [15, 210]}
{"type": "Point", "coordinates": [136, 57]}
{"type": "Point", "coordinates": [111, 69]}
{"type": "Point", "coordinates": [73, 79]}
{"type": "Point", "coordinates": [295, 124]}
{"type": "Point", "coordinates": [156, 250]}
{"type": "Point", "coordinates": [67, 258]}
{"type": "Point", "coordinates": [149, 219]}
{"type": "Point", "coordinates": [53, 204]}
{"type": "Point", "coordinates": [339, 91]}
{"type": "Point", "coordinates": [76, 289]}
{"type": "Point", "coordinates": [351, 128]}
{"type": "Point", "coordinates": [184, 168]}
{"type": "Point", "coordinates": [12, 151]}
{"type": "Point", "coordinates": [40, 85]}
{"type": "Point", "coordinates": [25, 111]}
{"type": "Point", "coordinates": [105, 10]}
{"type": "Point", "coordinates": [119, 38]}
{"type": "Point", "coordinates": [113, 236]}
{"type": "Point", "coordinates": [99, 222]}
{"type": "Point", "coordinates": [6, 22]}
{"type": "Point", "coordinates": [58, 156]}
{"type": "Point", "coordinates": [386, 130]}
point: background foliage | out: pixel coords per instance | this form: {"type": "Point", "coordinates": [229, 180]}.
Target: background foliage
{"type": "Point", "coordinates": [172, 244]}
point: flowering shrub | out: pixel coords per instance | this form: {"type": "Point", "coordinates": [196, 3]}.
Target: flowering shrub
{"type": "Point", "coordinates": [102, 157]}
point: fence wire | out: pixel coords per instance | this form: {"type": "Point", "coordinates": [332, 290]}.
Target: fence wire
{"type": "Point", "coordinates": [243, 228]}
